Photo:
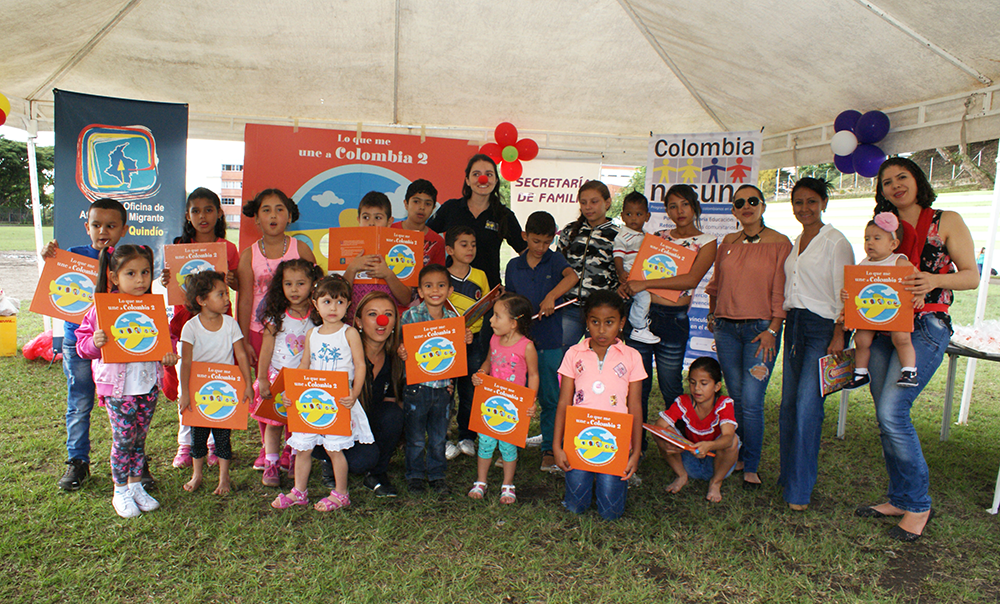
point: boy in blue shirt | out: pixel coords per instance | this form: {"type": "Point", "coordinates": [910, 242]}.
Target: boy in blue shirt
{"type": "Point", "coordinates": [106, 220]}
{"type": "Point", "coordinates": [543, 277]}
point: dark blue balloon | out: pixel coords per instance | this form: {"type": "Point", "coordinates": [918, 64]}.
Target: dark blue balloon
{"type": "Point", "coordinates": [872, 127]}
{"type": "Point", "coordinates": [844, 163]}
{"type": "Point", "coordinates": [846, 121]}
{"type": "Point", "coordinates": [867, 160]}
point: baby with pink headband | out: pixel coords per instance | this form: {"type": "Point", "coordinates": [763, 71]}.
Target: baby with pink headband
{"type": "Point", "coordinates": [882, 237]}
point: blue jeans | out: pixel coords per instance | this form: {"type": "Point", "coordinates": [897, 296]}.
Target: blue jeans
{"type": "Point", "coordinates": [425, 423]}
{"type": "Point", "coordinates": [909, 482]}
{"type": "Point", "coordinates": [733, 344]}
{"type": "Point", "coordinates": [583, 486]}
{"type": "Point", "coordinates": [573, 326]}
{"type": "Point", "coordinates": [79, 402]}
{"type": "Point", "coordinates": [548, 392]}
{"type": "Point", "coordinates": [671, 325]}
{"type": "Point", "coordinates": [800, 424]}
{"type": "Point", "coordinates": [475, 355]}
{"type": "Point", "coordinates": [701, 469]}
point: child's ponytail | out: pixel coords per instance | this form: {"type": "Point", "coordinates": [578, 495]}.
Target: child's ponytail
{"type": "Point", "coordinates": [103, 260]}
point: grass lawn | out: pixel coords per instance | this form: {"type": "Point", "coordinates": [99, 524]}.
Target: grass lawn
{"type": "Point", "coordinates": [21, 237]}
{"type": "Point", "coordinates": [68, 547]}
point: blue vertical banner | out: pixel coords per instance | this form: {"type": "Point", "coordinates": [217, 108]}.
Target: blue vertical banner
{"type": "Point", "coordinates": [715, 164]}
{"type": "Point", "coordinates": [131, 151]}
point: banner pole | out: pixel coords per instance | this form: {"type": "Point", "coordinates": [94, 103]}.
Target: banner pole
{"type": "Point", "coordinates": [36, 205]}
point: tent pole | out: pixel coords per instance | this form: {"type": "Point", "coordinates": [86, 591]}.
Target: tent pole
{"type": "Point", "coordinates": [984, 292]}
{"type": "Point", "coordinates": [36, 204]}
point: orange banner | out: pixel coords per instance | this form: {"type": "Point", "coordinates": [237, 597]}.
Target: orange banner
{"type": "Point", "coordinates": [216, 393]}
{"type": "Point", "coordinates": [597, 441]}
{"type": "Point", "coordinates": [136, 327]}
{"type": "Point", "coordinates": [185, 259]}
{"type": "Point", "coordinates": [66, 288]}
{"type": "Point", "coordinates": [661, 259]}
{"type": "Point", "coordinates": [500, 410]}
{"type": "Point", "coordinates": [435, 350]}
{"type": "Point", "coordinates": [311, 397]}
{"type": "Point", "coordinates": [876, 298]}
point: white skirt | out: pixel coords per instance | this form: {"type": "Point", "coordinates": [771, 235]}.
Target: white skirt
{"type": "Point", "coordinates": [361, 432]}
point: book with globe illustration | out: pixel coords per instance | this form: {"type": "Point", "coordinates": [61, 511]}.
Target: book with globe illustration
{"type": "Point", "coordinates": [673, 436]}
{"type": "Point", "coordinates": [500, 410]}
{"type": "Point", "coordinates": [597, 441]}
{"type": "Point", "coordinates": [402, 250]}
{"type": "Point", "coordinates": [216, 394]}
{"type": "Point", "coordinates": [65, 289]}
{"type": "Point", "coordinates": [274, 408]}
{"type": "Point", "coordinates": [136, 327]}
{"type": "Point", "coordinates": [311, 397]}
{"type": "Point", "coordinates": [435, 350]}
{"type": "Point", "coordinates": [877, 299]}
{"type": "Point", "coordinates": [661, 259]}
{"type": "Point", "coordinates": [185, 259]}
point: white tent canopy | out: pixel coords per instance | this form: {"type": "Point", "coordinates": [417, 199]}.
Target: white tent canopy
{"type": "Point", "coordinates": [583, 77]}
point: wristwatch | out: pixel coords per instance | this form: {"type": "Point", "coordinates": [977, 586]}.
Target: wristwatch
{"type": "Point", "coordinates": [772, 332]}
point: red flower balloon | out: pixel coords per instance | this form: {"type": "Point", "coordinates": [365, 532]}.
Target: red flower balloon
{"type": "Point", "coordinates": [510, 152]}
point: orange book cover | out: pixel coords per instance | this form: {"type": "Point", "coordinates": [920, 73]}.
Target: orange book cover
{"type": "Point", "coordinates": [185, 259]}
{"type": "Point", "coordinates": [274, 408]}
{"type": "Point", "coordinates": [402, 251]}
{"type": "Point", "coordinates": [661, 259]}
{"type": "Point", "coordinates": [216, 394]}
{"type": "Point", "coordinates": [877, 299]}
{"type": "Point", "coordinates": [673, 436]}
{"type": "Point", "coordinates": [435, 350]}
{"type": "Point", "coordinates": [500, 410]}
{"type": "Point", "coordinates": [597, 441]}
{"type": "Point", "coordinates": [136, 327]}
{"type": "Point", "coordinates": [65, 289]}
{"type": "Point", "coordinates": [311, 397]}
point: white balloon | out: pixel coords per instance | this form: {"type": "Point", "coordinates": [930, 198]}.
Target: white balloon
{"type": "Point", "coordinates": [843, 143]}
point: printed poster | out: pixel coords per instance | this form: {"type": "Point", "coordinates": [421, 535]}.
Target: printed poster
{"type": "Point", "coordinates": [715, 164]}
{"type": "Point", "coordinates": [327, 172]}
{"type": "Point", "coordinates": [402, 251]}
{"type": "Point", "coordinates": [185, 259]}
{"type": "Point", "coordinates": [834, 373]}
{"type": "Point", "coordinates": [274, 408]}
{"type": "Point", "coordinates": [876, 298]}
{"type": "Point", "coordinates": [435, 350]}
{"type": "Point", "coordinates": [500, 410]}
{"type": "Point", "coordinates": [551, 185]}
{"type": "Point", "coordinates": [216, 394]}
{"type": "Point", "coordinates": [597, 441]}
{"type": "Point", "coordinates": [65, 289]}
{"type": "Point", "coordinates": [136, 327]}
{"type": "Point", "coordinates": [661, 259]}
{"type": "Point", "coordinates": [312, 397]}
{"type": "Point", "coordinates": [132, 151]}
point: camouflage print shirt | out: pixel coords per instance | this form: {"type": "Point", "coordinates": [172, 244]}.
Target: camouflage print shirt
{"type": "Point", "coordinates": [590, 254]}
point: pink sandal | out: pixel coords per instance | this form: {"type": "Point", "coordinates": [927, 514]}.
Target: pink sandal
{"type": "Point", "coordinates": [294, 497]}
{"type": "Point", "coordinates": [334, 502]}
{"type": "Point", "coordinates": [507, 495]}
{"type": "Point", "coordinates": [478, 490]}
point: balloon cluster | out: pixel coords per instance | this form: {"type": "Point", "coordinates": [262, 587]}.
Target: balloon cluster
{"type": "Point", "coordinates": [4, 109]}
{"type": "Point", "coordinates": [510, 152]}
{"type": "Point", "coordinates": [853, 145]}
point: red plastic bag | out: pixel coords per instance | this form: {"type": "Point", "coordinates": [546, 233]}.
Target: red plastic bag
{"type": "Point", "coordinates": [41, 346]}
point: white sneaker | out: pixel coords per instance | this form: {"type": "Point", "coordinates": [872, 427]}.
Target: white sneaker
{"type": "Point", "coordinates": [468, 447]}
{"type": "Point", "coordinates": [142, 499]}
{"type": "Point", "coordinates": [451, 451]}
{"type": "Point", "coordinates": [533, 441]}
{"type": "Point", "coordinates": [645, 336]}
{"type": "Point", "coordinates": [124, 504]}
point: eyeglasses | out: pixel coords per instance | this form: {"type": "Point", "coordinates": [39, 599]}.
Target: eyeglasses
{"type": "Point", "coordinates": [753, 201]}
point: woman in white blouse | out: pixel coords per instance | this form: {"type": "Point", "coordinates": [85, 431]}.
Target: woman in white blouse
{"type": "Point", "coordinates": [814, 276]}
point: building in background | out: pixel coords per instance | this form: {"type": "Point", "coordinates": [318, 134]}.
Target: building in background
{"type": "Point", "coordinates": [231, 192]}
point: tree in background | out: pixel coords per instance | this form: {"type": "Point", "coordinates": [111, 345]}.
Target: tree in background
{"type": "Point", "coordinates": [636, 183]}
{"type": "Point", "coordinates": [15, 183]}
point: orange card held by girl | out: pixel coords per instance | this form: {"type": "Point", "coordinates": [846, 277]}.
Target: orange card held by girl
{"type": "Point", "coordinates": [597, 441]}
{"type": "Point", "coordinates": [274, 408]}
{"type": "Point", "coordinates": [136, 327]}
{"type": "Point", "coordinates": [877, 299]}
{"type": "Point", "coordinates": [311, 399]}
{"type": "Point", "coordinates": [216, 394]}
{"type": "Point", "coordinates": [661, 259]}
{"type": "Point", "coordinates": [66, 288]}
{"type": "Point", "coordinates": [500, 410]}
{"type": "Point", "coordinates": [435, 350]}
{"type": "Point", "coordinates": [402, 251]}
{"type": "Point", "coordinates": [185, 259]}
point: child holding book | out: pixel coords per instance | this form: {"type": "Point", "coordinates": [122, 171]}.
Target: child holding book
{"type": "Point", "coordinates": [375, 210]}
{"type": "Point", "coordinates": [708, 422]}
{"type": "Point", "coordinates": [421, 198]}
{"type": "Point", "coordinates": [635, 214]}
{"type": "Point", "coordinates": [468, 285]}
{"type": "Point", "coordinates": [426, 405]}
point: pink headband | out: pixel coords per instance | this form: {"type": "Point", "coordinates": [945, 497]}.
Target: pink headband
{"type": "Point", "coordinates": [887, 221]}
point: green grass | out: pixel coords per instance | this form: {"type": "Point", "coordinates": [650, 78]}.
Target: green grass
{"type": "Point", "coordinates": [69, 547]}
{"type": "Point", "coordinates": [21, 237]}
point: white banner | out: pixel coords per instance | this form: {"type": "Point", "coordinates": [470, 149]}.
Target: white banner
{"type": "Point", "coordinates": [551, 185]}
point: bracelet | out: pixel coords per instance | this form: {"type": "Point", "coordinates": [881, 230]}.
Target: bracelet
{"type": "Point", "coordinates": [772, 332]}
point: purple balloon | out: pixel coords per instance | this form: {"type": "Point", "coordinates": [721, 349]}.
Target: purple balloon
{"type": "Point", "coordinates": [872, 127]}
{"type": "Point", "coordinates": [846, 121]}
{"type": "Point", "coordinates": [844, 163]}
{"type": "Point", "coordinates": [867, 160]}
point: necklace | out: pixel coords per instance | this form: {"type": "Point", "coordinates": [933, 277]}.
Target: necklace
{"type": "Point", "coordinates": [263, 248]}
{"type": "Point", "coordinates": [752, 238]}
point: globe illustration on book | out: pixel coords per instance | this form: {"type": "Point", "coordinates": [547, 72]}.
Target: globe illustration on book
{"type": "Point", "coordinates": [216, 400]}
{"type": "Point", "coordinates": [596, 445]}
{"type": "Point", "coordinates": [500, 414]}
{"type": "Point", "coordinates": [317, 408]}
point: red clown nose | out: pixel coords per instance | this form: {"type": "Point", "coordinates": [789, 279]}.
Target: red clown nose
{"type": "Point", "coordinates": [483, 179]}
{"type": "Point", "coordinates": [382, 320]}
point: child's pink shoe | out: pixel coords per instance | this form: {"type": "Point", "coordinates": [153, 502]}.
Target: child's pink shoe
{"type": "Point", "coordinates": [212, 459]}
{"type": "Point", "coordinates": [334, 502]}
{"type": "Point", "coordinates": [294, 497]}
{"type": "Point", "coordinates": [183, 457]}
{"type": "Point", "coordinates": [271, 476]}
{"type": "Point", "coordinates": [285, 461]}
{"type": "Point", "coordinates": [261, 462]}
